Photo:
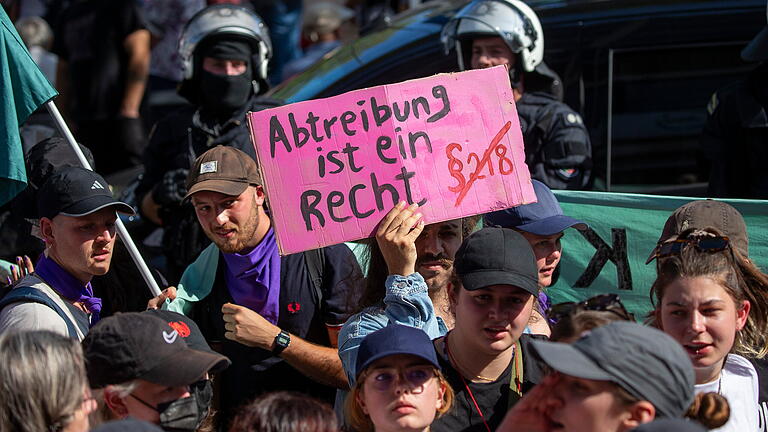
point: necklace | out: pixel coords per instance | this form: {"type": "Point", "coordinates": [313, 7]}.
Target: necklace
{"type": "Point", "coordinates": [466, 386]}
{"type": "Point", "coordinates": [460, 368]}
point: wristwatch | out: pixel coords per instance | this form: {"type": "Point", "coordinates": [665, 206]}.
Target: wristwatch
{"type": "Point", "coordinates": [282, 340]}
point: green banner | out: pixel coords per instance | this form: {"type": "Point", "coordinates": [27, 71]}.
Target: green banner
{"type": "Point", "coordinates": [624, 228]}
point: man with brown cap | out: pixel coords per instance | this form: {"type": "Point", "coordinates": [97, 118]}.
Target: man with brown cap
{"type": "Point", "coordinates": [276, 317]}
{"type": "Point", "coordinates": [225, 51]}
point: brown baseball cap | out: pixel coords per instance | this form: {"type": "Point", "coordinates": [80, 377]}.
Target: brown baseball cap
{"type": "Point", "coordinates": [706, 214]}
{"type": "Point", "coordinates": [223, 169]}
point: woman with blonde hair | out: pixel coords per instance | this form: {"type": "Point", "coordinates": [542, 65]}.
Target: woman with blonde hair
{"type": "Point", "coordinates": [399, 386]}
{"type": "Point", "coordinates": [43, 386]}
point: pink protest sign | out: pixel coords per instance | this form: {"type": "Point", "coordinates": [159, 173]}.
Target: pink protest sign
{"type": "Point", "coordinates": [332, 168]}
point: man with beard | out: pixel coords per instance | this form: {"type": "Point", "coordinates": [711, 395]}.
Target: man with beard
{"type": "Point", "coordinates": [225, 51]}
{"type": "Point", "coordinates": [276, 318]}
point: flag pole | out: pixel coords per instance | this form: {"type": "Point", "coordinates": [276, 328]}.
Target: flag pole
{"type": "Point", "coordinates": [121, 230]}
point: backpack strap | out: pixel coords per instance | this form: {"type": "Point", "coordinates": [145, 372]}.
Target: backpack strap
{"type": "Point", "coordinates": [315, 261]}
{"type": "Point", "coordinates": [27, 294]}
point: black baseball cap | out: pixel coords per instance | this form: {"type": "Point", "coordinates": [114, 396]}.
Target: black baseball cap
{"type": "Point", "coordinates": [186, 326]}
{"type": "Point", "coordinates": [76, 191]}
{"type": "Point", "coordinates": [497, 256]}
{"type": "Point", "coordinates": [544, 217]}
{"type": "Point", "coordinates": [223, 169]}
{"type": "Point", "coordinates": [642, 360]}
{"type": "Point", "coordinates": [392, 340]}
{"type": "Point", "coordinates": [42, 161]}
{"type": "Point", "coordinates": [135, 345]}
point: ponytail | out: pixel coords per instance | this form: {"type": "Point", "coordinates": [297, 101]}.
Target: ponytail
{"type": "Point", "coordinates": [709, 409]}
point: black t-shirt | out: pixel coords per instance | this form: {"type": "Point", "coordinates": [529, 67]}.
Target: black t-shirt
{"type": "Point", "coordinates": [492, 398]}
{"type": "Point", "coordinates": [255, 371]}
{"type": "Point", "coordinates": [90, 37]}
{"type": "Point", "coordinates": [761, 366]}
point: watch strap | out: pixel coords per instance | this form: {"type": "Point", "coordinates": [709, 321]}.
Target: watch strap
{"type": "Point", "coordinates": [282, 340]}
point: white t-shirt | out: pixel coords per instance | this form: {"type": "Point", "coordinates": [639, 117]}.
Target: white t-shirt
{"type": "Point", "coordinates": [738, 383]}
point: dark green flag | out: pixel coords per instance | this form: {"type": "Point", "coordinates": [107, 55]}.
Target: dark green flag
{"type": "Point", "coordinates": [23, 89]}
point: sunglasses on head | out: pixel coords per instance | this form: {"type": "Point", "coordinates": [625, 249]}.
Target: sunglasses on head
{"type": "Point", "coordinates": [414, 377]}
{"type": "Point", "coordinates": [601, 303]}
{"type": "Point", "coordinates": [703, 244]}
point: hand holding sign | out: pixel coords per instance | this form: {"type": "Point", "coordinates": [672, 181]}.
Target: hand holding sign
{"type": "Point", "coordinates": [333, 167]}
{"type": "Point", "coordinates": [397, 236]}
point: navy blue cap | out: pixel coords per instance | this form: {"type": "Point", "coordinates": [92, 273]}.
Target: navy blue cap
{"type": "Point", "coordinates": [392, 340]}
{"type": "Point", "coordinates": [544, 217]}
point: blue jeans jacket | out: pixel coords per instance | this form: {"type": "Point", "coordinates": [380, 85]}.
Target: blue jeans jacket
{"type": "Point", "coordinates": [406, 302]}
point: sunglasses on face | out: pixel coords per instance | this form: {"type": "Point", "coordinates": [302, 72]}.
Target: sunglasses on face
{"type": "Point", "coordinates": [703, 244]}
{"type": "Point", "coordinates": [414, 377]}
{"type": "Point", "coordinates": [602, 303]}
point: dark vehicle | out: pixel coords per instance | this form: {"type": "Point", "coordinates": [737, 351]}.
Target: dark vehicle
{"type": "Point", "coordinates": [640, 71]}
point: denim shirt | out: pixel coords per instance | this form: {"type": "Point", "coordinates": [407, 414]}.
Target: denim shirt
{"type": "Point", "coordinates": [406, 302]}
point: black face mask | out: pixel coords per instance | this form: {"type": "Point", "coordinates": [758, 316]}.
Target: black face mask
{"type": "Point", "coordinates": [225, 93]}
{"type": "Point", "coordinates": [185, 415]}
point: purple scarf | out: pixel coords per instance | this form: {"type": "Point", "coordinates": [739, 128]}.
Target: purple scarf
{"type": "Point", "coordinates": [68, 286]}
{"type": "Point", "coordinates": [253, 278]}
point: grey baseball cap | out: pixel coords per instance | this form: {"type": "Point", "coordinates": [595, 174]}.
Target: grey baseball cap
{"type": "Point", "coordinates": [497, 256]}
{"type": "Point", "coordinates": [670, 425]}
{"type": "Point", "coordinates": [642, 360]}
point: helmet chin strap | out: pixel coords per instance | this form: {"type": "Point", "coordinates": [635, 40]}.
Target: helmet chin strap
{"type": "Point", "coordinates": [256, 86]}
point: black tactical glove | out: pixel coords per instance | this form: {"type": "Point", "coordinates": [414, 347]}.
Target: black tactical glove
{"type": "Point", "coordinates": [172, 189]}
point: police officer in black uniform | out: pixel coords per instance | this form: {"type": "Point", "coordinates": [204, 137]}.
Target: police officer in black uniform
{"type": "Point", "coordinates": [489, 33]}
{"type": "Point", "coordinates": [225, 51]}
{"type": "Point", "coordinates": [735, 135]}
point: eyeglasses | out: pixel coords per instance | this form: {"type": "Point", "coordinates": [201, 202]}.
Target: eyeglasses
{"type": "Point", "coordinates": [602, 303]}
{"type": "Point", "coordinates": [414, 377]}
{"type": "Point", "coordinates": [703, 244]}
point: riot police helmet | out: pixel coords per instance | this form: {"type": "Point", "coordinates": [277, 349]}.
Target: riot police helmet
{"type": "Point", "coordinates": [511, 20]}
{"type": "Point", "coordinates": [224, 21]}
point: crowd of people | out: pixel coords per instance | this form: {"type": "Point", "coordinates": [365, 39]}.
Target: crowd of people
{"type": "Point", "coordinates": [446, 326]}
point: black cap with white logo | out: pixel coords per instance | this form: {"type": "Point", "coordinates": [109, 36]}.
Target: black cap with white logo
{"type": "Point", "coordinates": [76, 191]}
{"type": "Point", "coordinates": [133, 345]}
